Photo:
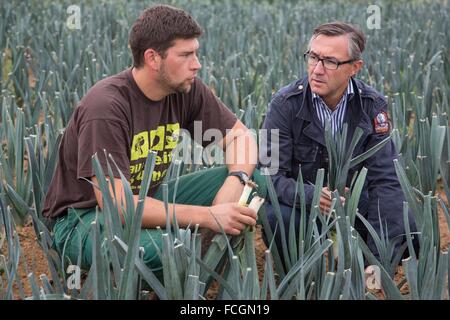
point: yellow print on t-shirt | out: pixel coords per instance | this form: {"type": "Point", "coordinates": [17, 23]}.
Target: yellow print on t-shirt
{"type": "Point", "coordinates": [159, 139]}
{"type": "Point", "coordinates": [162, 140]}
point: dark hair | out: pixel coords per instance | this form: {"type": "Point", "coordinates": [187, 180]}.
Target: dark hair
{"type": "Point", "coordinates": [357, 40]}
{"type": "Point", "coordinates": [157, 27]}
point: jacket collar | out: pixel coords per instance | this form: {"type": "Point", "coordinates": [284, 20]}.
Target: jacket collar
{"type": "Point", "coordinates": [355, 115]}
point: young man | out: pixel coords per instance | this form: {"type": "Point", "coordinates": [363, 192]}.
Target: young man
{"type": "Point", "coordinates": [143, 109]}
{"type": "Point", "coordinates": [331, 93]}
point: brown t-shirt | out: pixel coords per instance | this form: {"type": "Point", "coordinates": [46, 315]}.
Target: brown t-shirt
{"type": "Point", "coordinates": [116, 116]}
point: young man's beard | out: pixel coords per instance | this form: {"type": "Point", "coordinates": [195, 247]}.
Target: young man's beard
{"type": "Point", "coordinates": [173, 87]}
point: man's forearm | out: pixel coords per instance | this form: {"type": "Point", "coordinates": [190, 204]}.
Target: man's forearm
{"type": "Point", "coordinates": [155, 214]}
{"type": "Point", "coordinates": [285, 190]}
{"type": "Point", "coordinates": [154, 211]}
{"type": "Point", "coordinates": [242, 153]}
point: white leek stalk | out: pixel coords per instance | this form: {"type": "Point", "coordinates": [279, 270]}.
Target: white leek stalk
{"type": "Point", "coordinates": [256, 203]}
{"type": "Point", "coordinates": [246, 192]}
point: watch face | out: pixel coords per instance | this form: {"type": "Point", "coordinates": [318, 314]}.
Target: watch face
{"type": "Point", "coordinates": [241, 175]}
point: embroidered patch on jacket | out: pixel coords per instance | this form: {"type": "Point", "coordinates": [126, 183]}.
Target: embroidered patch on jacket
{"type": "Point", "coordinates": [381, 123]}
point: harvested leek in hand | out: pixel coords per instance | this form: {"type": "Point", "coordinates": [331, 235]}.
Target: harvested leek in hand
{"type": "Point", "coordinates": [255, 204]}
{"type": "Point", "coordinates": [246, 192]}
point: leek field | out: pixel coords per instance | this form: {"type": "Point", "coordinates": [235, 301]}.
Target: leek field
{"type": "Point", "coordinates": [52, 52]}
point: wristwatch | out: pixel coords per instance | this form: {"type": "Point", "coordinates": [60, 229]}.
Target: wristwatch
{"type": "Point", "coordinates": [243, 177]}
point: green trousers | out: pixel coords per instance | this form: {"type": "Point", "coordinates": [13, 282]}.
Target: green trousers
{"type": "Point", "coordinates": [72, 237]}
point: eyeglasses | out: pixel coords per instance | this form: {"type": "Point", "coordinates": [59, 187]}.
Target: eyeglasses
{"type": "Point", "coordinates": [330, 64]}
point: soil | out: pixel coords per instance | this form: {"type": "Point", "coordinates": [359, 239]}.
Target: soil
{"type": "Point", "coordinates": [37, 263]}
{"type": "Point", "coordinates": [35, 260]}
{"type": "Point", "coordinates": [443, 226]}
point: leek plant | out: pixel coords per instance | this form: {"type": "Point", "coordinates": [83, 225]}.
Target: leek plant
{"type": "Point", "coordinates": [12, 159]}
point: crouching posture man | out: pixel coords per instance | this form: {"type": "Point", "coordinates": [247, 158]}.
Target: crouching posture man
{"type": "Point", "coordinates": [143, 109]}
{"type": "Point", "coordinates": [331, 93]}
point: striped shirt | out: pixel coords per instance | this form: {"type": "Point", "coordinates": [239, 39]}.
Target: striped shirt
{"type": "Point", "coordinates": [337, 115]}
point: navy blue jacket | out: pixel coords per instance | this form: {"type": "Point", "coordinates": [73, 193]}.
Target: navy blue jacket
{"type": "Point", "coordinates": [302, 141]}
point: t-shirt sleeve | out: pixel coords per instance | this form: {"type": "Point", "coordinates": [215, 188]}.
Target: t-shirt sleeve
{"type": "Point", "coordinates": [95, 136]}
{"type": "Point", "coordinates": [208, 113]}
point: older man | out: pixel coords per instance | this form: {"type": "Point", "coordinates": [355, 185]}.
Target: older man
{"type": "Point", "coordinates": [331, 93]}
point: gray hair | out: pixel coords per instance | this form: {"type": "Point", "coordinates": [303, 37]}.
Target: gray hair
{"type": "Point", "coordinates": [356, 41]}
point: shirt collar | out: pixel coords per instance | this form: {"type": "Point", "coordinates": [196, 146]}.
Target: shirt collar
{"type": "Point", "coordinates": [349, 92]}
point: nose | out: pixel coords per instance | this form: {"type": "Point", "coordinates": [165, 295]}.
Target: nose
{"type": "Point", "coordinates": [319, 68]}
{"type": "Point", "coordinates": [196, 63]}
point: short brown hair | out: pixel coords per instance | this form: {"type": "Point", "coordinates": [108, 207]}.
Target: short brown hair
{"type": "Point", "coordinates": [357, 40]}
{"type": "Point", "coordinates": [157, 27]}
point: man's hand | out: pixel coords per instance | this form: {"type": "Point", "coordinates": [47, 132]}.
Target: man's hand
{"type": "Point", "coordinates": [326, 199]}
{"type": "Point", "coordinates": [373, 279]}
{"type": "Point", "coordinates": [232, 217]}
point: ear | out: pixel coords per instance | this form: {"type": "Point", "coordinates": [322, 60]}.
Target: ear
{"type": "Point", "coordinates": [356, 66]}
{"type": "Point", "coordinates": [152, 59]}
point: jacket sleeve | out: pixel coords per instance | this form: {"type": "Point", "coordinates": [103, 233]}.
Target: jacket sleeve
{"type": "Point", "coordinates": [385, 193]}
{"type": "Point", "coordinates": [276, 148]}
